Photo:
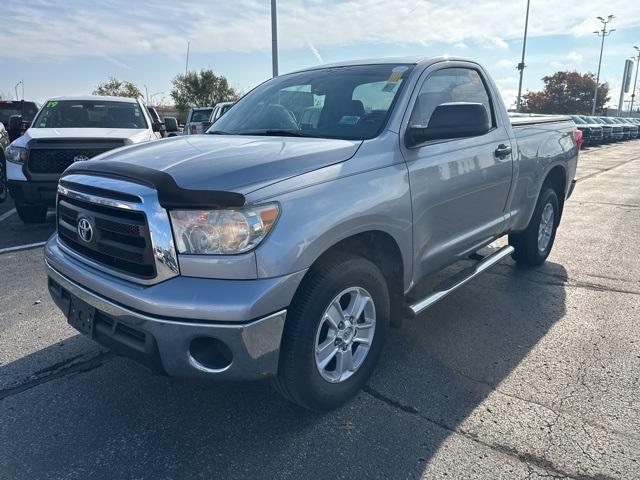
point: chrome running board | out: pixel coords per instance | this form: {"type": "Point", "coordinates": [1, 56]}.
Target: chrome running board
{"type": "Point", "coordinates": [458, 280]}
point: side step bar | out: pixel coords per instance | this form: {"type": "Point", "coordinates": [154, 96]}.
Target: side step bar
{"type": "Point", "coordinates": [458, 280]}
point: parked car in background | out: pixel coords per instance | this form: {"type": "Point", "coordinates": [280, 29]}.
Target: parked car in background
{"type": "Point", "coordinates": [607, 130]}
{"type": "Point", "coordinates": [4, 143]}
{"type": "Point", "coordinates": [275, 248]}
{"type": "Point", "coordinates": [591, 134]}
{"type": "Point", "coordinates": [220, 109]}
{"type": "Point", "coordinates": [195, 119]}
{"type": "Point", "coordinates": [617, 130]}
{"type": "Point", "coordinates": [68, 130]}
{"type": "Point", "coordinates": [17, 116]}
{"type": "Point", "coordinates": [631, 126]}
{"type": "Point", "coordinates": [158, 124]}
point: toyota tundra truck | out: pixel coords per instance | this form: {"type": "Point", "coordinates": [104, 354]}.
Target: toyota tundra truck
{"type": "Point", "coordinates": [67, 130]}
{"type": "Point", "coordinates": [286, 241]}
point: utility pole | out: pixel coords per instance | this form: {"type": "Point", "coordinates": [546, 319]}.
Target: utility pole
{"type": "Point", "coordinates": [635, 82]}
{"type": "Point", "coordinates": [601, 33]}
{"type": "Point", "coordinates": [186, 67]}
{"type": "Point", "coordinates": [521, 65]}
{"type": "Point", "coordinates": [274, 38]}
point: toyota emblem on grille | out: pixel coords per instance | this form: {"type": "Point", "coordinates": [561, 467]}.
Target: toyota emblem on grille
{"type": "Point", "coordinates": [80, 158]}
{"type": "Point", "coordinates": [85, 230]}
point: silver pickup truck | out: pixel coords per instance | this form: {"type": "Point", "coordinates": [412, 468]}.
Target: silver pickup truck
{"type": "Point", "coordinates": [285, 242]}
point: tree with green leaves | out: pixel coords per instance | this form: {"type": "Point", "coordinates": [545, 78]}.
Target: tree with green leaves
{"type": "Point", "coordinates": [117, 88]}
{"type": "Point", "coordinates": [566, 93]}
{"type": "Point", "coordinates": [200, 89]}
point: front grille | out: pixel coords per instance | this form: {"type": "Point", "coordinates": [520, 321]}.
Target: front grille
{"type": "Point", "coordinates": [56, 160]}
{"type": "Point", "coordinates": [120, 239]}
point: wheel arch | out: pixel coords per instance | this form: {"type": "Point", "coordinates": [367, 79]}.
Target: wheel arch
{"type": "Point", "coordinates": [382, 249]}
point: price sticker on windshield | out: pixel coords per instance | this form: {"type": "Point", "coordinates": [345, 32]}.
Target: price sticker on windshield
{"type": "Point", "coordinates": [394, 78]}
{"type": "Point", "coordinates": [52, 104]}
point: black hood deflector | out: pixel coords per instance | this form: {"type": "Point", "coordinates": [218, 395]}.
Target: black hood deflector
{"type": "Point", "coordinates": [170, 195]}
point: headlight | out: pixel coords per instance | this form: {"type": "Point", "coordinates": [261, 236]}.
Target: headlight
{"type": "Point", "coordinates": [16, 154]}
{"type": "Point", "coordinates": [222, 232]}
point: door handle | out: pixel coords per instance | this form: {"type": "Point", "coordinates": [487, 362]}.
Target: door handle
{"type": "Point", "coordinates": [502, 151]}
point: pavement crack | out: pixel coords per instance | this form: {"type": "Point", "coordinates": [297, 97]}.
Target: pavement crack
{"type": "Point", "coordinates": [528, 458]}
{"type": "Point", "coordinates": [60, 370]}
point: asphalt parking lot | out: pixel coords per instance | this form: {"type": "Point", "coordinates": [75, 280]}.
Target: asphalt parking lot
{"type": "Point", "coordinates": [520, 374]}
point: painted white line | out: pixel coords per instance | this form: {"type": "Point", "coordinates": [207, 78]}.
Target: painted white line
{"type": "Point", "coordinates": [6, 215]}
{"type": "Point", "coordinates": [21, 247]}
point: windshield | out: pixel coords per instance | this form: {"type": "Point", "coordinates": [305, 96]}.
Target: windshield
{"type": "Point", "coordinates": [343, 102]}
{"type": "Point", "coordinates": [90, 114]}
{"type": "Point", "coordinates": [28, 110]}
{"type": "Point", "coordinates": [577, 119]}
{"type": "Point", "coordinates": [591, 120]}
{"type": "Point", "coordinates": [201, 115]}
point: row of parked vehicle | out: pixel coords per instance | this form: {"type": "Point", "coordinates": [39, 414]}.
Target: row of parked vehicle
{"type": "Point", "coordinates": [599, 130]}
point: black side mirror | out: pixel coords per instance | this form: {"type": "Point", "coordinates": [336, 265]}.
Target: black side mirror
{"type": "Point", "coordinates": [159, 127]}
{"type": "Point", "coordinates": [171, 124]}
{"type": "Point", "coordinates": [452, 120]}
{"type": "Point", "coordinates": [15, 123]}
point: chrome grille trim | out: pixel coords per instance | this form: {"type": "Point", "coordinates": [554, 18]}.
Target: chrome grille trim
{"type": "Point", "coordinates": [160, 232]}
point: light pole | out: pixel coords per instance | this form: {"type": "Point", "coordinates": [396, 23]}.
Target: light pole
{"type": "Point", "coordinates": [601, 33]}
{"type": "Point", "coordinates": [521, 65]}
{"type": "Point", "coordinates": [274, 38]}
{"type": "Point", "coordinates": [635, 82]}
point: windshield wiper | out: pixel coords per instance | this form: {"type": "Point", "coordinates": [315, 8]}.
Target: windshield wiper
{"type": "Point", "coordinates": [219, 132]}
{"type": "Point", "coordinates": [276, 133]}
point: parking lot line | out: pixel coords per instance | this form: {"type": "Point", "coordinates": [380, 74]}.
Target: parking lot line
{"type": "Point", "coordinates": [21, 247]}
{"type": "Point", "coordinates": [6, 215]}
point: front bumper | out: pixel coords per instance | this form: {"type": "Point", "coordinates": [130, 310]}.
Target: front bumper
{"type": "Point", "coordinates": [33, 193]}
{"type": "Point", "coordinates": [157, 337]}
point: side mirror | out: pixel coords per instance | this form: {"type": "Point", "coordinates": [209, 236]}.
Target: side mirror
{"type": "Point", "coordinates": [159, 127]}
{"type": "Point", "coordinates": [15, 123]}
{"type": "Point", "coordinates": [452, 120]}
{"type": "Point", "coordinates": [171, 124]}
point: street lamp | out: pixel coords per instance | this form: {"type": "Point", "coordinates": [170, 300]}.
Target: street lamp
{"type": "Point", "coordinates": [521, 65]}
{"type": "Point", "coordinates": [633, 95]}
{"type": "Point", "coordinates": [601, 33]}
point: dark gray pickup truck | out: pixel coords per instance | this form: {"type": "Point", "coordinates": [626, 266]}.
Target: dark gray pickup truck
{"type": "Point", "coordinates": [285, 242]}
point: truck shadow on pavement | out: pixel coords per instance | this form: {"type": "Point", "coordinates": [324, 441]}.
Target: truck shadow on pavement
{"type": "Point", "coordinates": [107, 417]}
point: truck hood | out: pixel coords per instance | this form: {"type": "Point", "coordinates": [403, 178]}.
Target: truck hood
{"type": "Point", "coordinates": [231, 163]}
{"type": "Point", "coordinates": [131, 135]}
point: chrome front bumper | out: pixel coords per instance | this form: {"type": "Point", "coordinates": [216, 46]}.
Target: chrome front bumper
{"type": "Point", "coordinates": [158, 338]}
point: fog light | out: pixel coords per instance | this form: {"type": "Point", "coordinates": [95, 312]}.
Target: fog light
{"type": "Point", "coordinates": [209, 354]}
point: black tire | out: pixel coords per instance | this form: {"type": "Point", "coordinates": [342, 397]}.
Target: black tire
{"type": "Point", "coordinates": [32, 213]}
{"type": "Point", "coordinates": [525, 243]}
{"type": "Point", "coordinates": [299, 379]}
{"type": "Point", "coordinates": [4, 189]}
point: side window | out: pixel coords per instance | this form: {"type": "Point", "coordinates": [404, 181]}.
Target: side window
{"type": "Point", "coordinates": [446, 86]}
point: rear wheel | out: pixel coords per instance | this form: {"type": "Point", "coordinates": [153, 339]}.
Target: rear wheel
{"type": "Point", "coordinates": [334, 333]}
{"type": "Point", "coordinates": [534, 244]}
{"type": "Point", "coordinates": [32, 213]}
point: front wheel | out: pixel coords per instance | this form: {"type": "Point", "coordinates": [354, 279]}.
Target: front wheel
{"type": "Point", "coordinates": [4, 188]}
{"type": "Point", "coordinates": [334, 333]}
{"type": "Point", "coordinates": [534, 244]}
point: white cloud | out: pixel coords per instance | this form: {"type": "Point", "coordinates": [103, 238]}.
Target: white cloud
{"type": "Point", "coordinates": [574, 57]}
{"type": "Point", "coordinates": [315, 52]}
{"type": "Point", "coordinates": [460, 46]}
{"type": "Point", "coordinates": [120, 27]}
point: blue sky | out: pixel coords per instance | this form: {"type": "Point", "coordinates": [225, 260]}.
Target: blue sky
{"type": "Point", "coordinates": [61, 48]}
